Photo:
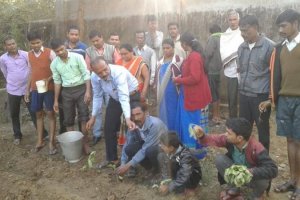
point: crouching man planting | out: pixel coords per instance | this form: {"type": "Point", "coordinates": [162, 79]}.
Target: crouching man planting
{"type": "Point", "coordinates": [243, 149]}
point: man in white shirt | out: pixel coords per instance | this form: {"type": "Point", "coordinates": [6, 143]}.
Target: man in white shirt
{"type": "Point", "coordinates": [229, 43]}
{"type": "Point", "coordinates": [122, 87]}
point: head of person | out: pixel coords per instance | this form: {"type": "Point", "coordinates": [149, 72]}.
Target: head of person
{"type": "Point", "coordinates": [215, 28]}
{"type": "Point", "coordinates": [288, 22]}
{"type": "Point", "coordinates": [168, 48]}
{"type": "Point", "coordinates": [114, 39]}
{"type": "Point", "coordinates": [189, 42]}
{"type": "Point", "coordinates": [233, 18]}
{"type": "Point", "coordinates": [35, 40]}
{"type": "Point", "coordinates": [169, 142]}
{"type": "Point", "coordinates": [100, 67]}
{"type": "Point", "coordinates": [10, 45]}
{"type": "Point", "coordinates": [152, 23]}
{"type": "Point", "coordinates": [59, 48]}
{"type": "Point", "coordinates": [140, 38]}
{"type": "Point", "coordinates": [73, 34]}
{"type": "Point", "coordinates": [96, 39]}
{"type": "Point", "coordinates": [249, 28]}
{"type": "Point", "coordinates": [173, 29]}
{"type": "Point", "coordinates": [126, 52]}
{"type": "Point", "coordinates": [238, 130]}
{"type": "Point", "coordinates": [139, 112]}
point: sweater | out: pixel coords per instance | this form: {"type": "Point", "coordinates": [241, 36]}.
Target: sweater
{"type": "Point", "coordinates": [290, 69]}
{"type": "Point", "coordinates": [40, 68]}
{"type": "Point", "coordinates": [195, 83]}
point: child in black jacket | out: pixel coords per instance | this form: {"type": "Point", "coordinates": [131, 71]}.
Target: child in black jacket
{"type": "Point", "coordinates": [185, 170]}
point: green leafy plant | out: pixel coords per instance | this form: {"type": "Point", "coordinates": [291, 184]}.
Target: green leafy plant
{"type": "Point", "coordinates": [90, 161]}
{"type": "Point", "coordinates": [163, 182]}
{"type": "Point", "coordinates": [237, 175]}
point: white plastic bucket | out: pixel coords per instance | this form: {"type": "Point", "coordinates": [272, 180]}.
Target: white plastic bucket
{"type": "Point", "coordinates": [41, 86]}
{"type": "Point", "coordinates": [71, 145]}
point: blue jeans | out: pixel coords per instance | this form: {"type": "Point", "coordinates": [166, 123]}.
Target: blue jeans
{"type": "Point", "coordinates": [98, 123]}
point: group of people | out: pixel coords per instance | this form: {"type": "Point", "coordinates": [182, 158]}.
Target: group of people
{"type": "Point", "coordinates": [184, 80]}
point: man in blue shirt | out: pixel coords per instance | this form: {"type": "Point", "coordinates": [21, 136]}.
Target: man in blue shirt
{"type": "Point", "coordinates": [73, 43]}
{"type": "Point", "coordinates": [141, 145]}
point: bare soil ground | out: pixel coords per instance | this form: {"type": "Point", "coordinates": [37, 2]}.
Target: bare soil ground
{"type": "Point", "coordinates": [27, 175]}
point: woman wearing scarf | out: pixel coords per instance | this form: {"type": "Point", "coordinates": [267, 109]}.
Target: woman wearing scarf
{"type": "Point", "coordinates": [167, 92]}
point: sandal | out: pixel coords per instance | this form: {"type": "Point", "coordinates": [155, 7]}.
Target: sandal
{"type": "Point", "coordinates": [285, 187]}
{"type": "Point", "coordinates": [231, 195]}
{"type": "Point", "coordinates": [38, 148]}
{"type": "Point", "coordinates": [295, 195]}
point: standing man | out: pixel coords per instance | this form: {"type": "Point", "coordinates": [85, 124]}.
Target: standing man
{"type": "Point", "coordinates": [122, 87]}
{"type": "Point", "coordinates": [213, 65]}
{"type": "Point", "coordinates": [72, 79]}
{"type": "Point", "coordinates": [100, 48]}
{"type": "Point", "coordinates": [73, 43]}
{"type": "Point", "coordinates": [40, 59]}
{"type": "Point", "coordinates": [153, 37]}
{"type": "Point", "coordinates": [285, 93]}
{"type": "Point", "coordinates": [173, 29]}
{"type": "Point", "coordinates": [110, 54]}
{"type": "Point", "coordinates": [148, 54]}
{"type": "Point", "coordinates": [229, 43]}
{"type": "Point", "coordinates": [253, 64]}
{"type": "Point", "coordinates": [142, 143]}
{"type": "Point", "coordinates": [15, 68]}
{"type": "Point", "coordinates": [114, 39]}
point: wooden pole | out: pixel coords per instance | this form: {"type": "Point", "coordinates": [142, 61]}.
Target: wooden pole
{"type": "Point", "coordinates": [80, 18]}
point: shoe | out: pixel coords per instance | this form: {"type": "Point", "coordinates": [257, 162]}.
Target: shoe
{"type": "Point", "coordinates": [96, 140]}
{"type": "Point", "coordinates": [17, 141]}
{"type": "Point", "coordinates": [107, 164]}
{"type": "Point", "coordinates": [288, 186]}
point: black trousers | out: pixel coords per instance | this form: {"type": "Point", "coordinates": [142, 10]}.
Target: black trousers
{"type": "Point", "coordinates": [112, 126]}
{"type": "Point", "coordinates": [14, 103]}
{"type": "Point", "coordinates": [250, 111]}
{"type": "Point", "coordinates": [232, 92]}
{"type": "Point", "coordinates": [150, 161]}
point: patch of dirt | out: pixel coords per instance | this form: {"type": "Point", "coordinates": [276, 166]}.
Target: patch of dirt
{"type": "Point", "coordinates": [25, 175]}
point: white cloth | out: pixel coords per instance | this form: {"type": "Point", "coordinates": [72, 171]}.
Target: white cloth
{"type": "Point", "coordinates": [229, 44]}
{"type": "Point", "coordinates": [251, 45]}
{"type": "Point", "coordinates": [292, 44]}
